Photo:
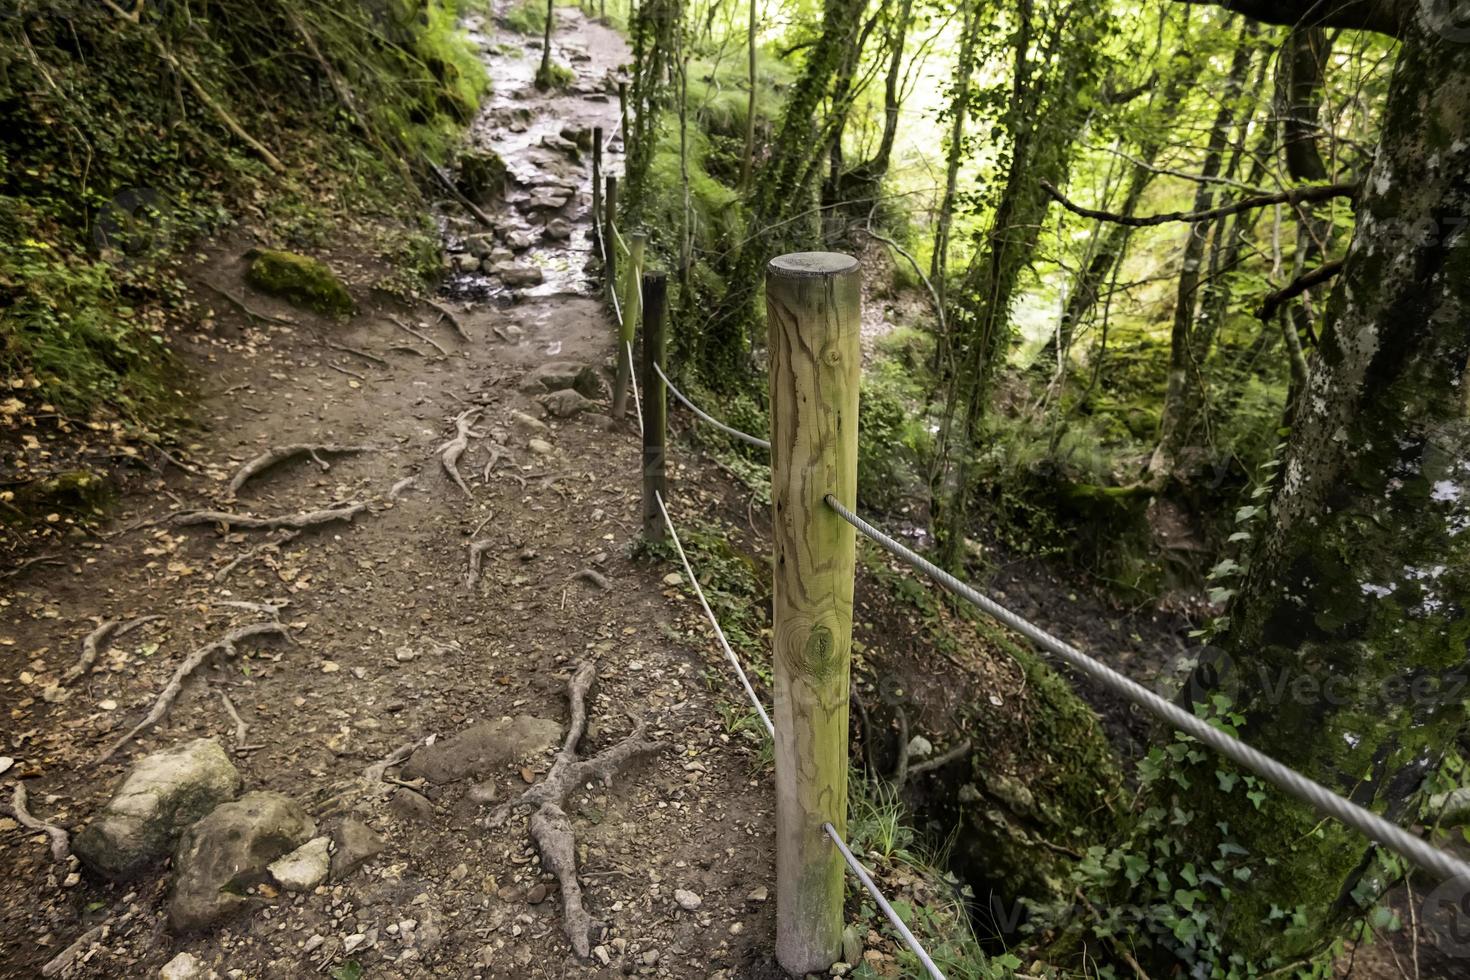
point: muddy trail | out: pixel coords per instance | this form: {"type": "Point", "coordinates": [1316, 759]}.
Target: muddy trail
{"type": "Point", "coordinates": [401, 664]}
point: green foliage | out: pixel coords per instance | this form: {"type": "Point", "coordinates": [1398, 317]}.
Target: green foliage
{"type": "Point", "coordinates": [554, 76]}
{"type": "Point", "coordinates": [893, 430]}
{"type": "Point", "coordinates": [527, 17]}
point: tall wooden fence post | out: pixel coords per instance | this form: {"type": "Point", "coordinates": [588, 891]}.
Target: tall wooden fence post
{"type": "Point", "coordinates": [623, 111]}
{"type": "Point", "coordinates": [813, 304]}
{"type": "Point", "coordinates": [596, 184]}
{"type": "Point", "coordinates": [609, 235]}
{"type": "Point", "coordinates": [655, 406]}
{"type": "Point", "coordinates": [632, 313]}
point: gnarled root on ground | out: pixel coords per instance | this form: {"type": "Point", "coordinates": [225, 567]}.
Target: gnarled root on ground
{"type": "Point", "coordinates": [280, 454]}
{"type": "Point", "coordinates": [550, 827]}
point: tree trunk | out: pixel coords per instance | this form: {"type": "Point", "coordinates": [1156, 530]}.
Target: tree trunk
{"type": "Point", "coordinates": [954, 151]}
{"type": "Point", "coordinates": [1350, 634]}
{"type": "Point", "coordinates": [1183, 397]}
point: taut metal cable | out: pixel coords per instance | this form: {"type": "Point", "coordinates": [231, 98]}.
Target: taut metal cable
{"type": "Point", "coordinates": [903, 930]}
{"type": "Point", "coordinates": [760, 709]}
{"type": "Point", "coordinates": [1313, 793]}
{"type": "Point", "coordinates": [633, 383]}
{"type": "Point", "coordinates": [736, 433]}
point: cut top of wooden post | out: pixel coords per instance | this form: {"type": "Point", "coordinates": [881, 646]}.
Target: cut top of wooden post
{"type": "Point", "coordinates": [812, 265]}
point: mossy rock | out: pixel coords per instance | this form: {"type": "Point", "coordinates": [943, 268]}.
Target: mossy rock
{"type": "Point", "coordinates": [554, 77]}
{"type": "Point", "coordinates": [482, 176]}
{"type": "Point", "coordinates": [299, 279]}
{"type": "Point", "coordinates": [72, 491]}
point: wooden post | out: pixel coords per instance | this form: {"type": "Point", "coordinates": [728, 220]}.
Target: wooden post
{"type": "Point", "coordinates": [813, 304]}
{"type": "Point", "coordinates": [623, 111]}
{"type": "Point", "coordinates": [655, 407]}
{"type": "Point", "coordinates": [609, 236]}
{"type": "Point", "coordinates": [596, 184]}
{"type": "Point", "coordinates": [632, 313]}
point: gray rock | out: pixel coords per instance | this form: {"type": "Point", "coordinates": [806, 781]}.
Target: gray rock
{"type": "Point", "coordinates": [515, 275]}
{"type": "Point", "coordinates": [227, 852]}
{"type": "Point", "coordinates": [304, 868]}
{"type": "Point", "coordinates": [519, 240]}
{"type": "Point", "coordinates": [466, 262]}
{"type": "Point", "coordinates": [558, 229]}
{"type": "Point", "coordinates": [528, 424]}
{"type": "Point", "coordinates": [556, 375]}
{"type": "Point", "coordinates": [501, 256]}
{"type": "Point", "coordinates": [480, 245]}
{"type": "Point", "coordinates": [483, 748]}
{"type": "Point", "coordinates": [185, 966]}
{"type": "Point", "coordinates": [164, 793]}
{"type": "Point", "coordinates": [354, 844]}
{"type": "Point", "coordinates": [411, 806]}
{"type": "Point", "coordinates": [687, 900]}
{"type": "Point", "coordinates": [562, 145]}
{"type": "Point", "coordinates": [540, 447]}
{"type": "Point", "coordinates": [565, 403]}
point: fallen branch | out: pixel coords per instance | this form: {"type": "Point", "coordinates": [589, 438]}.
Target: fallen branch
{"type": "Point", "coordinates": [453, 320]}
{"type": "Point", "coordinates": [271, 457]}
{"type": "Point", "coordinates": [451, 451]}
{"type": "Point", "coordinates": [92, 646]}
{"type": "Point", "coordinates": [419, 334]}
{"type": "Point", "coordinates": [170, 693]}
{"type": "Point", "coordinates": [1297, 195]}
{"type": "Point", "coordinates": [1296, 287]}
{"type": "Point", "coordinates": [300, 521]}
{"type": "Point", "coordinates": [64, 959]}
{"type": "Point", "coordinates": [60, 839]}
{"type": "Point", "coordinates": [550, 829]}
{"type": "Point", "coordinates": [939, 761]}
{"type": "Point", "coordinates": [397, 489]}
{"type": "Point", "coordinates": [477, 554]}
{"type": "Point", "coordinates": [468, 205]}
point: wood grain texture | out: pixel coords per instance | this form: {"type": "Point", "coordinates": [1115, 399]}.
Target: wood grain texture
{"type": "Point", "coordinates": [655, 402]}
{"type": "Point", "coordinates": [813, 312]}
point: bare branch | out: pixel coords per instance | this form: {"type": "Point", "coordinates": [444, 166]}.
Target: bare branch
{"type": "Point", "coordinates": [1297, 195]}
{"type": "Point", "coordinates": [1297, 286]}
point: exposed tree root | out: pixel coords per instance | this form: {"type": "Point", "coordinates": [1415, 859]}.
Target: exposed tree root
{"type": "Point", "coordinates": [225, 644]}
{"type": "Point", "coordinates": [939, 761]}
{"type": "Point", "coordinates": [241, 729]}
{"type": "Point", "coordinates": [593, 577]}
{"type": "Point", "coordinates": [370, 358]}
{"type": "Point", "coordinates": [477, 556]}
{"type": "Point", "coordinates": [451, 451]}
{"type": "Point", "coordinates": [373, 774]}
{"type": "Point", "coordinates": [419, 334]}
{"type": "Point", "coordinates": [397, 489]}
{"type": "Point", "coordinates": [280, 454]}
{"type": "Point", "coordinates": [454, 321]}
{"type": "Point", "coordinates": [550, 829]}
{"type": "Point", "coordinates": [275, 545]}
{"type": "Point", "coordinates": [64, 959]}
{"type": "Point", "coordinates": [95, 641]}
{"type": "Point", "coordinates": [241, 305]}
{"type": "Point", "coordinates": [60, 839]}
{"type": "Point", "coordinates": [300, 521]}
{"type": "Point", "coordinates": [552, 833]}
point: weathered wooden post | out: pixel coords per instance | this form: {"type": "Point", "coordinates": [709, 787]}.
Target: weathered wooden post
{"type": "Point", "coordinates": [813, 311]}
{"type": "Point", "coordinates": [609, 233]}
{"type": "Point", "coordinates": [623, 111]}
{"type": "Point", "coordinates": [632, 313]}
{"type": "Point", "coordinates": [597, 185]}
{"type": "Point", "coordinates": [655, 405]}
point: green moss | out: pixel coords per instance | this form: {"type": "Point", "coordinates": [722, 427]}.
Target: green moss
{"type": "Point", "coordinates": [482, 175]}
{"type": "Point", "coordinates": [554, 76]}
{"type": "Point", "coordinates": [304, 281]}
{"type": "Point", "coordinates": [527, 17]}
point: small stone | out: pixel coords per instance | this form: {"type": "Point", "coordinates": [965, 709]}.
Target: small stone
{"type": "Point", "coordinates": [529, 424]}
{"type": "Point", "coordinates": [650, 957]}
{"type": "Point", "coordinates": [537, 894]}
{"type": "Point", "coordinates": [185, 966]}
{"type": "Point", "coordinates": [466, 262]}
{"type": "Point", "coordinates": [674, 578]}
{"type": "Point", "coordinates": [353, 843]}
{"type": "Point", "coordinates": [353, 943]}
{"type": "Point", "coordinates": [311, 944]}
{"type": "Point", "coordinates": [920, 747]}
{"type": "Point", "coordinates": [304, 868]}
{"type": "Point", "coordinates": [408, 805]}
{"type": "Point", "coordinates": [736, 928]}
{"type": "Point", "coordinates": [758, 894]}
{"type": "Point", "coordinates": [540, 447]}
{"type": "Point", "coordinates": [484, 748]}
{"type": "Point", "coordinates": [404, 654]}
{"type": "Point", "coordinates": [460, 872]}
{"type": "Point", "coordinates": [687, 900]}
{"type": "Point", "coordinates": [565, 403]}
{"type": "Point", "coordinates": [516, 275]}
{"type": "Point", "coordinates": [330, 666]}
{"type": "Point", "coordinates": [558, 229]}
{"type": "Point", "coordinates": [603, 956]}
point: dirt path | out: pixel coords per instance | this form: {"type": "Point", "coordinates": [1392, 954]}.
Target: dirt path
{"type": "Point", "coordinates": [389, 646]}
